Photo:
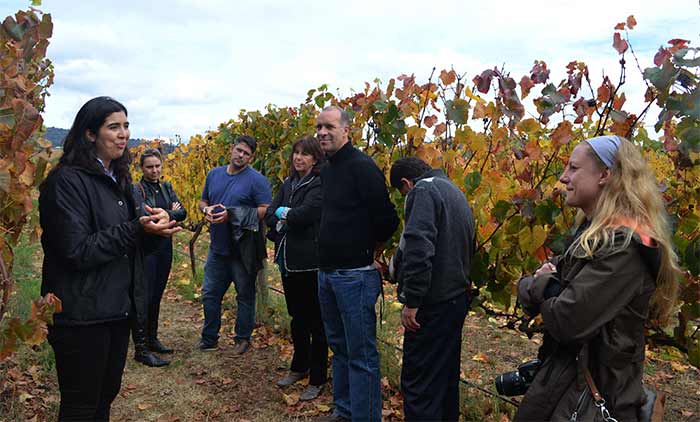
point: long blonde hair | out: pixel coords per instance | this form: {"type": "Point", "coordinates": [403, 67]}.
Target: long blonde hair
{"type": "Point", "coordinates": [631, 198]}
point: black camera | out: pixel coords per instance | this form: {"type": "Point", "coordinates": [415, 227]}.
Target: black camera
{"type": "Point", "coordinates": [515, 383]}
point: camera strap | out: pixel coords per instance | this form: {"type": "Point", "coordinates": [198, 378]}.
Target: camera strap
{"type": "Point", "coordinates": [599, 401]}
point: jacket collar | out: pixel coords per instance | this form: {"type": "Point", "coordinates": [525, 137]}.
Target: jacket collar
{"type": "Point", "coordinates": [431, 173]}
{"type": "Point", "coordinates": [343, 153]}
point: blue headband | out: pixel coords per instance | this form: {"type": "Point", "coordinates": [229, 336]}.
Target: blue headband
{"type": "Point", "coordinates": [605, 147]}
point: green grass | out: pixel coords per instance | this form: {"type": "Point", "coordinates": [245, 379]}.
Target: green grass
{"type": "Point", "coordinates": [26, 272]}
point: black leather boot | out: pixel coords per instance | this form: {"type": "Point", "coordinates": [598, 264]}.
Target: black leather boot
{"type": "Point", "coordinates": [153, 343]}
{"type": "Point", "coordinates": [141, 352]}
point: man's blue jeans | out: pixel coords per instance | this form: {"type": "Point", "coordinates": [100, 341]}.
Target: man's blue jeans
{"type": "Point", "coordinates": [347, 299]}
{"type": "Point", "coordinates": [218, 273]}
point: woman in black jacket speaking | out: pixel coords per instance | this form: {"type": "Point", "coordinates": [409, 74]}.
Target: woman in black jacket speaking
{"type": "Point", "coordinates": [93, 259]}
{"type": "Point", "coordinates": [294, 217]}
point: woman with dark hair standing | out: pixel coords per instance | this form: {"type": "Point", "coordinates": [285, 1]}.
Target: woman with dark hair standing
{"type": "Point", "coordinates": [92, 240]}
{"type": "Point", "coordinates": [158, 262]}
{"type": "Point", "coordinates": [619, 271]}
{"type": "Point", "coordinates": [294, 217]}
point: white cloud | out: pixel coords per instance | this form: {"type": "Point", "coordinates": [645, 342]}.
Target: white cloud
{"type": "Point", "coordinates": [184, 66]}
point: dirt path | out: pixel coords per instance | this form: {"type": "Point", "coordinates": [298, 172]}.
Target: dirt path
{"type": "Point", "coordinates": [211, 386]}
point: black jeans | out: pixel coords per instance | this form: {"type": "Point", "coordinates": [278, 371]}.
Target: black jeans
{"type": "Point", "coordinates": [310, 346]}
{"type": "Point", "coordinates": [157, 270]}
{"type": "Point", "coordinates": [89, 362]}
{"type": "Point", "coordinates": [431, 362]}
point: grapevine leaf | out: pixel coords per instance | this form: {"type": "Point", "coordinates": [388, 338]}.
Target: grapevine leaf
{"type": "Point", "coordinates": [692, 257]}
{"type": "Point", "coordinates": [500, 210]}
{"type": "Point", "coordinates": [458, 110]}
{"type": "Point", "coordinates": [619, 44]}
{"type": "Point", "coordinates": [472, 181]}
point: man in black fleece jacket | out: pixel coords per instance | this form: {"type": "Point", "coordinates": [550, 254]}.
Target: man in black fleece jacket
{"type": "Point", "coordinates": [357, 217]}
{"type": "Point", "coordinates": [432, 266]}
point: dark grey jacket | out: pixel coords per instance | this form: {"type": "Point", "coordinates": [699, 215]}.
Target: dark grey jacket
{"type": "Point", "coordinates": [437, 244]}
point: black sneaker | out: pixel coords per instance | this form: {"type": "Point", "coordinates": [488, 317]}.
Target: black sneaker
{"type": "Point", "coordinates": [208, 347]}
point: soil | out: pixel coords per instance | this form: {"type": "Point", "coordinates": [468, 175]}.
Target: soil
{"type": "Point", "coordinates": [219, 386]}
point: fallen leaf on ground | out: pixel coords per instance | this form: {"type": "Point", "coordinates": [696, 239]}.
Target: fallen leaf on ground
{"type": "Point", "coordinates": [290, 399]}
{"type": "Point", "coordinates": [480, 357]}
{"type": "Point", "coordinates": [144, 406]}
{"type": "Point", "coordinates": [323, 407]}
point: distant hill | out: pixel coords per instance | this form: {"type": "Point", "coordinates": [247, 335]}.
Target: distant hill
{"type": "Point", "coordinates": [56, 135]}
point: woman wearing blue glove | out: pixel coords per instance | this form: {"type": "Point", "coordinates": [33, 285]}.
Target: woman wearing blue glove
{"type": "Point", "coordinates": [294, 217]}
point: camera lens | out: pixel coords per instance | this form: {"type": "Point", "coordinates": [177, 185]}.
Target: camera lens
{"type": "Point", "coordinates": [511, 384]}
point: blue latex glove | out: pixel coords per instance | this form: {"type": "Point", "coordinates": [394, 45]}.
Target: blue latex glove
{"type": "Point", "coordinates": [281, 212]}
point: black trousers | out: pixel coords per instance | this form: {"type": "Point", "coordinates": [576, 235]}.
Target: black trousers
{"type": "Point", "coordinates": [308, 337]}
{"type": "Point", "coordinates": [431, 362]}
{"type": "Point", "coordinates": [157, 270]}
{"type": "Point", "coordinates": [89, 362]}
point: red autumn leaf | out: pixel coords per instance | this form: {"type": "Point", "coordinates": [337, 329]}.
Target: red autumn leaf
{"type": "Point", "coordinates": [677, 44]}
{"type": "Point", "coordinates": [533, 150]}
{"type": "Point", "coordinates": [620, 26]}
{"type": "Point", "coordinates": [604, 92]}
{"type": "Point", "coordinates": [619, 44]}
{"type": "Point", "coordinates": [526, 85]}
{"type": "Point", "coordinates": [563, 133]}
{"type": "Point", "coordinates": [649, 95]}
{"type": "Point", "coordinates": [661, 56]}
{"type": "Point", "coordinates": [483, 81]}
{"type": "Point", "coordinates": [619, 101]}
{"type": "Point", "coordinates": [429, 121]}
{"type": "Point", "coordinates": [539, 72]}
{"type": "Point", "coordinates": [448, 77]}
{"type": "Point", "coordinates": [631, 22]}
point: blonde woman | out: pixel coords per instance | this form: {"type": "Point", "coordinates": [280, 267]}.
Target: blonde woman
{"type": "Point", "coordinates": [618, 271]}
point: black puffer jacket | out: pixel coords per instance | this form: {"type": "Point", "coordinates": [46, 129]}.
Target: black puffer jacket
{"type": "Point", "coordinates": [299, 244]}
{"type": "Point", "coordinates": [93, 258]}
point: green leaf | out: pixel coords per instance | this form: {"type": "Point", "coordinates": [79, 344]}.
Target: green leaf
{"type": "Point", "coordinates": [546, 212]}
{"type": "Point", "coordinates": [7, 117]}
{"type": "Point", "coordinates": [679, 58]}
{"type": "Point", "coordinates": [391, 114]}
{"type": "Point", "coordinates": [380, 105]}
{"type": "Point", "coordinates": [662, 77]}
{"type": "Point", "coordinates": [386, 138]}
{"type": "Point", "coordinates": [500, 211]}
{"type": "Point", "coordinates": [472, 181]}
{"type": "Point", "coordinates": [688, 224]}
{"type": "Point", "coordinates": [692, 257]}
{"type": "Point", "coordinates": [458, 111]}
{"type": "Point", "coordinates": [694, 354]}
{"type": "Point", "coordinates": [479, 268]}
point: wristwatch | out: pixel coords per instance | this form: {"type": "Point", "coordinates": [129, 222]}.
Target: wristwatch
{"type": "Point", "coordinates": [203, 209]}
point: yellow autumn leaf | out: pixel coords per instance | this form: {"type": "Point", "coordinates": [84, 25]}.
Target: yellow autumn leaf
{"type": "Point", "coordinates": [480, 357]}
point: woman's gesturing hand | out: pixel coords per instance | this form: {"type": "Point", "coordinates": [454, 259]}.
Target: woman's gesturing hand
{"type": "Point", "coordinates": [158, 222]}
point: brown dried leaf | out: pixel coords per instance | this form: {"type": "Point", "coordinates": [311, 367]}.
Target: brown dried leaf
{"type": "Point", "coordinates": [619, 44]}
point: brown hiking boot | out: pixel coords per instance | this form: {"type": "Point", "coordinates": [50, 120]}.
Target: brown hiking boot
{"type": "Point", "coordinates": [241, 346]}
{"type": "Point", "coordinates": [331, 418]}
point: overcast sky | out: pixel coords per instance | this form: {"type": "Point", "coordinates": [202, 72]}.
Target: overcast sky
{"type": "Point", "coordinates": [184, 66]}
